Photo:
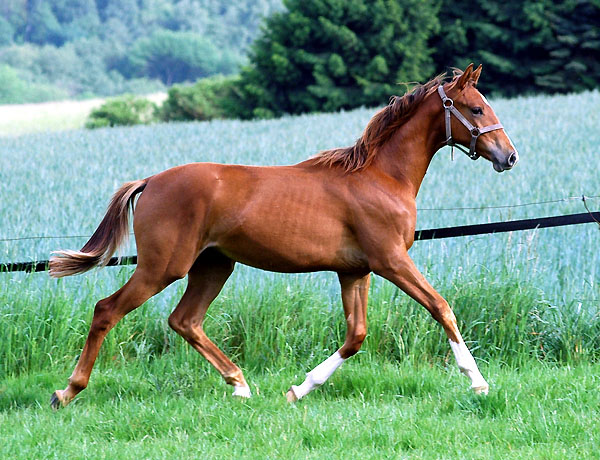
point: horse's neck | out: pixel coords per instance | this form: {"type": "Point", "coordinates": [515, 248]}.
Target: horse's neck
{"type": "Point", "coordinates": [406, 156]}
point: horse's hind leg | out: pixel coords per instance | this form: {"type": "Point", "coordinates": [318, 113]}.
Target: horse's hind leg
{"type": "Point", "coordinates": [205, 280]}
{"type": "Point", "coordinates": [355, 292]}
{"type": "Point", "coordinates": [140, 287]}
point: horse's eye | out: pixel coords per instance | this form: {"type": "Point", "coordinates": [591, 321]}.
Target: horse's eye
{"type": "Point", "coordinates": [477, 111]}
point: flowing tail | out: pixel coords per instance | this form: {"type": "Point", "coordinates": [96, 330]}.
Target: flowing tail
{"type": "Point", "coordinates": [109, 235]}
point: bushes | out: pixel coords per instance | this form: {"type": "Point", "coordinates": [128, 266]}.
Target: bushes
{"type": "Point", "coordinates": [214, 97]}
{"type": "Point", "coordinates": [127, 110]}
{"type": "Point", "coordinates": [209, 98]}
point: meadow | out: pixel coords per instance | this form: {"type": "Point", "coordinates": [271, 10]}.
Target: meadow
{"type": "Point", "coordinates": [19, 119]}
{"type": "Point", "coordinates": [527, 304]}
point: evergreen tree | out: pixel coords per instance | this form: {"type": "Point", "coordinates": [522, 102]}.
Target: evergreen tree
{"type": "Point", "coordinates": [573, 58]}
{"type": "Point", "coordinates": [337, 54]}
{"type": "Point", "coordinates": [524, 46]}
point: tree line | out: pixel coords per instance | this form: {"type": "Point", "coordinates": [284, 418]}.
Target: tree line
{"type": "Point", "coordinates": [333, 54]}
{"type": "Point", "coordinates": [309, 55]}
{"type": "Point", "coordinates": [52, 49]}
{"type": "Point", "coordinates": [328, 55]}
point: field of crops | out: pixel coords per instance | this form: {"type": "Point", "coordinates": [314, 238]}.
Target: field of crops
{"type": "Point", "coordinates": [527, 303]}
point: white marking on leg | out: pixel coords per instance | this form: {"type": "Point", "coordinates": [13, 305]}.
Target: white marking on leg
{"type": "Point", "coordinates": [243, 391]}
{"type": "Point", "coordinates": [319, 375]}
{"type": "Point", "coordinates": [467, 366]}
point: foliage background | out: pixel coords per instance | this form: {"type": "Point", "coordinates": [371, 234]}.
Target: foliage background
{"type": "Point", "coordinates": [323, 55]}
{"type": "Point", "coordinates": [56, 49]}
{"type": "Point", "coordinates": [311, 55]}
{"type": "Point", "coordinates": [525, 46]}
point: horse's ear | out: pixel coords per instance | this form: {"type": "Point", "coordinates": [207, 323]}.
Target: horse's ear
{"type": "Point", "coordinates": [465, 77]}
{"type": "Point", "coordinates": [475, 75]}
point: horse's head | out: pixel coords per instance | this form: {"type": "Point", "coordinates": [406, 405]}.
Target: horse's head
{"type": "Point", "coordinates": [470, 121]}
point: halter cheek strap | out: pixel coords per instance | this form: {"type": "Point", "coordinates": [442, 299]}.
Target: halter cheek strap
{"type": "Point", "coordinates": [449, 110]}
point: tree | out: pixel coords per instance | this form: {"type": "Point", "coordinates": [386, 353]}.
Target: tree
{"type": "Point", "coordinates": [42, 25]}
{"type": "Point", "coordinates": [17, 90]}
{"type": "Point", "coordinates": [573, 57]}
{"type": "Point", "coordinates": [525, 46]}
{"type": "Point", "coordinates": [178, 56]}
{"type": "Point", "coordinates": [59, 21]}
{"type": "Point", "coordinates": [209, 98]}
{"type": "Point", "coordinates": [6, 32]}
{"type": "Point", "coordinates": [103, 34]}
{"type": "Point", "coordinates": [337, 54]}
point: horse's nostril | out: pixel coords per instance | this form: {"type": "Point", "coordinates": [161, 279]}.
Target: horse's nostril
{"type": "Point", "coordinates": [512, 159]}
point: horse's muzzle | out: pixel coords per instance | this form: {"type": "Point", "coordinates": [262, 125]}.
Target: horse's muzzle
{"type": "Point", "coordinates": [508, 162]}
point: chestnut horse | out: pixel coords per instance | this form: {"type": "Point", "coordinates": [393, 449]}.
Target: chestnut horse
{"type": "Point", "coordinates": [350, 210]}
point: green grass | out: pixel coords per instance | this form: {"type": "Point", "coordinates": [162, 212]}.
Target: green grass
{"type": "Point", "coordinates": [527, 304]}
{"type": "Point", "coordinates": [369, 409]}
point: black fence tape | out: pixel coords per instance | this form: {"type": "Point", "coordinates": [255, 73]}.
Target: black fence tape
{"type": "Point", "coordinates": [420, 235]}
{"type": "Point", "coordinates": [509, 226]}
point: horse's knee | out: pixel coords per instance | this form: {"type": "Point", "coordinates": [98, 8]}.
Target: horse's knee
{"type": "Point", "coordinates": [444, 315]}
{"type": "Point", "coordinates": [441, 312]}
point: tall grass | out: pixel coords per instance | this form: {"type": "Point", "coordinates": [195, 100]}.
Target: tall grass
{"type": "Point", "coordinates": [292, 321]}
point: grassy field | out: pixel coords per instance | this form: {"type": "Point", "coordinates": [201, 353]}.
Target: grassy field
{"type": "Point", "coordinates": [527, 304]}
{"type": "Point", "coordinates": [370, 410]}
{"type": "Point", "coordinates": [19, 119]}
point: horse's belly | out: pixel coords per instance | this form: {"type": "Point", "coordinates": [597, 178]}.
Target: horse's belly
{"type": "Point", "coordinates": [279, 251]}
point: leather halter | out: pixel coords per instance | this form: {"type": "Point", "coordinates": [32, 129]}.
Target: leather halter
{"type": "Point", "coordinates": [474, 130]}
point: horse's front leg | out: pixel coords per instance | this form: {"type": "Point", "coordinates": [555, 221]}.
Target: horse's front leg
{"type": "Point", "coordinates": [399, 268]}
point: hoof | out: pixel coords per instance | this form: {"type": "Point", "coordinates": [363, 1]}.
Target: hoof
{"type": "Point", "coordinates": [242, 392]}
{"type": "Point", "coordinates": [481, 390]}
{"type": "Point", "coordinates": [56, 401]}
{"type": "Point", "coordinates": [291, 396]}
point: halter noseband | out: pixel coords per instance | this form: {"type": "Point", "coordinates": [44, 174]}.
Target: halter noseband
{"type": "Point", "coordinates": [474, 130]}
